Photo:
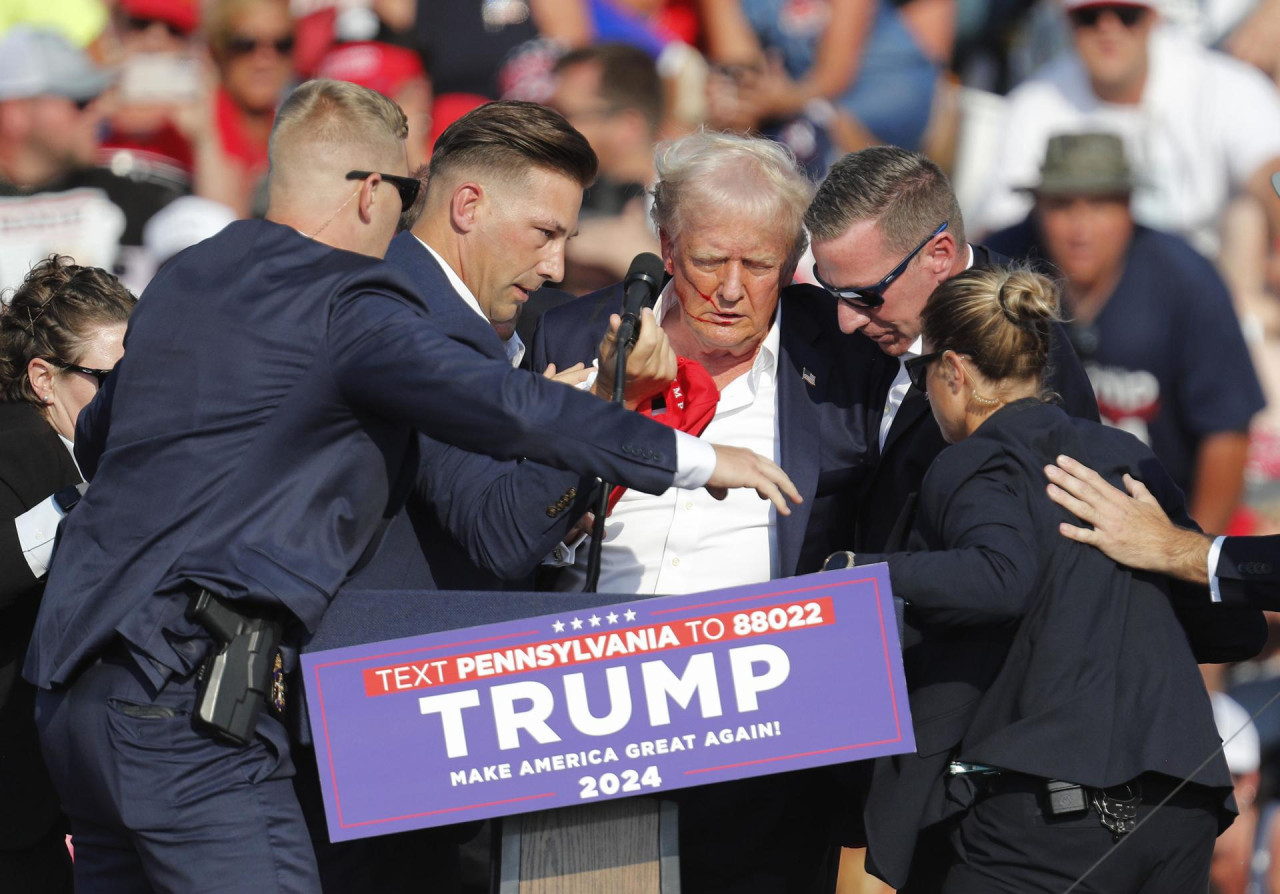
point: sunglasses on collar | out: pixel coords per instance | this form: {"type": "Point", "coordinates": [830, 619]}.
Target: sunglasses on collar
{"type": "Point", "coordinates": [865, 297]}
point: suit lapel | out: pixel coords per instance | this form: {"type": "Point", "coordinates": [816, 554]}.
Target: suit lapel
{"type": "Point", "coordinates": [914, 406]}
{"type": "Point", "coordinates": [803, 377]}
{"type": "Point", "coordinates": [449, 310]}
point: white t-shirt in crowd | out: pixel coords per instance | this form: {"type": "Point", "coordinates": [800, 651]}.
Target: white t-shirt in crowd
{"type": "Point", "coordinates": [1205, 124]}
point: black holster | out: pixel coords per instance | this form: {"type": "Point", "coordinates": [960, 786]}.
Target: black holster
{"type": "Point", "coordinates": [236, 679]}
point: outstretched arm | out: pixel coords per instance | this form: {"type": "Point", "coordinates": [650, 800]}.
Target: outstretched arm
{"type": "Point", "coordinates": [1130, 528]}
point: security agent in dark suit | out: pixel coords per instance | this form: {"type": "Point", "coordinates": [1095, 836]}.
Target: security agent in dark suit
{"type": "Point", "coordinates": [1134, 530]}
{"type": "Point", "coordinates": [246, 455]}
{"type": "Point", "coordinates": [1090, 709]}
{"type": "Point", "coordinates": [61, 331]}
{"type": "Point", "coordinates": [887, 230]}
{"type": "Point", "coordinates": [729, 213]}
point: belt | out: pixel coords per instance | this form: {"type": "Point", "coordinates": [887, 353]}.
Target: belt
{"type": "Point", "coordinates": [1116, 806]}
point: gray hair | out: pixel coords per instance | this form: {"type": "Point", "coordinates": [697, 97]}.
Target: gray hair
{"type": "Point", "coordinates": [756, 178]}
{"type": "Point", "coordinates": [906, 193]}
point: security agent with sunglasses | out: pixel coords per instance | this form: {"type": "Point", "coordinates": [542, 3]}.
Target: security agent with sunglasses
{"type": "Point", "coordinates": [886, 231]}
{"type": "Point", "coordinates": [244, 458]}
{"type": "Point", "coordinates": [1079, 709]}
{"type": "Point", "coordinates": [61, 331]}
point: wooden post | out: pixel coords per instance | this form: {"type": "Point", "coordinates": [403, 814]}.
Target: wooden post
{"type": "Point", "coordinates": [629, 846]}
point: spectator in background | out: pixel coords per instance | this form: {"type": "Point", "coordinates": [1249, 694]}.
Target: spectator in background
{"type": "Point", "coordinates": [1242, 856]}
{"type": "Point", "coordinates": [61, 332]}
{"type": "Point", "coordinates": [162, 141]}
{"type": "Point", "coordinates": [862, 70]}
{"type": "Point", "coordinates": [252, 46]}
{"type": "Point", "coordinates": [50, 114]}
{"type": "Point", "coordinates": [1201, 127]}
{"type": "Point", "coordinates": [484, 48]}
{"type": "Point", "coordinates": [1151, 320]}
{"type": "Point", "coordinates": [612, 95]}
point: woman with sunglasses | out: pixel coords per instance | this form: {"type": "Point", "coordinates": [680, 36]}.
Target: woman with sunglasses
{"type": "Point", "coordinates": [61, 332]}
{"type": "Point", "coordinates": [1078, 706]}
{"type": "Point", "coordinates": [251, 42]}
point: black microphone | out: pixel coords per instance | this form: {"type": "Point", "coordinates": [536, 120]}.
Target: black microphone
{"type": "Point", "coordinates": [640, 290]}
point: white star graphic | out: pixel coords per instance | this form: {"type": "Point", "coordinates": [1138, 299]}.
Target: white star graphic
{"type": "Point", "coordinates": [612, 617]}
{"type": "Point", "coordinates": [595, 620]}
{"type": "Point", "coordinates": [629, 615]}
{"type": "Point", "coordinates": [558, 626]}
{"type": "Point", "coordinates": [577, 623]}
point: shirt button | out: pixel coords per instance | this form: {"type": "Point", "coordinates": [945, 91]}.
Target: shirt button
{"type": "Point", "coordinates": [675, 561]}
{"type": "Point", "coordinates": [688, 505]}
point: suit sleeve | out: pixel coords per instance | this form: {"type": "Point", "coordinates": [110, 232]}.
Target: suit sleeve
{"type": "Point", "coordinates": [15, 574]}
{"type": "Point", "coordinates": [506, 515]}
{"type": "Point", "coordinates": [1248, 572]}
{"type": "Point", "coordinates": [389, 360]}
{"type": "Point", "coordinates": [989, 571]}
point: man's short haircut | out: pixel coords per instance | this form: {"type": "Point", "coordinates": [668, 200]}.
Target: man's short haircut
{"type": "Point", "coordinates": [755, 179]}
{"type": "Point", "coordinates": [905, 192]}
{"type": "Point", "coordinates": [323, 112]}
{"type": "Point", "coordinates": [509, 137]}
{"type": "Point", "coordinates": [628, 78]}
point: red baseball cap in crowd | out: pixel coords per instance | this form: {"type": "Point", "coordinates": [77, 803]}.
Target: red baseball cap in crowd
{"type": "Point", "coordinates": [181, 14]}
{"type": "Point", "coordinates": [379, 66]}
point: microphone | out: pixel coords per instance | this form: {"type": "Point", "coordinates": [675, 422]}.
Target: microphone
{"type": "Point", "coordinates": [640, 290]}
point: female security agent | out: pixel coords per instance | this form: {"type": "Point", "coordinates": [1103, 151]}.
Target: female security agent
{"type": "Point", "coordinates": [61, 333]}
{"type": "Point", "coordinates": [1083, 708]}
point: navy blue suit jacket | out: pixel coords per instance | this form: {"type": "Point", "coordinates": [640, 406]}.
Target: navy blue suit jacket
{"type": "Point", "coordinates": [471, 522]}
{"type": "Point", "coordinates": [827, 421]}
{"type": "Point", "coordinates": [1035, 653]}
{"type": "Point", "coordinates": [258, 435]}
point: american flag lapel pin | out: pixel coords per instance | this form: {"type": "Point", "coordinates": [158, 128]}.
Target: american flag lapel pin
{"type": "Point", "coordinates": [809, 378]}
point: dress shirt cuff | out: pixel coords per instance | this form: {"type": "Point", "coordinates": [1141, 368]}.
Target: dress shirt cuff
{"type": "Point", "coordinates": [37, 528]}
{"type": "Point", "coordinates": [695, 461]}
{"type": "Point", "coordinates": [1215, 549]}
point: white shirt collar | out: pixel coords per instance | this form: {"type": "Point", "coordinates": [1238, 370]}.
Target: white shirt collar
{"type": "Point", "coordinates": [513, 346]}
{"type": "Point", "coordinates": [766, 360]}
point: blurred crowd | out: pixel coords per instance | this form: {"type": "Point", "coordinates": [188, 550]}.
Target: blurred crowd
{"type": "Point", "coordinates": [1127, 148]}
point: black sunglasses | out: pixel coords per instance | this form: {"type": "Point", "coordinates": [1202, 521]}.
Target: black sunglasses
{"type": "Point", "coordinates": [873, 296]}
{"type": "Point", "coordinates": [99, 374]}
{"type": "Point", "coordinates": [407, 186]}
{"type": "Point", "coordinates": [243, 46]}
{"type": "Point", "coordinates": [918, 370]}
{"type": "Point", "coordinates": [1088, 16]}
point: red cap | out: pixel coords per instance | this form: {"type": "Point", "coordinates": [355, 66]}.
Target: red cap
{"type": "Point", "coordinates": [182, 14]}
{"type": "Point", "coordinates": [378, 66]}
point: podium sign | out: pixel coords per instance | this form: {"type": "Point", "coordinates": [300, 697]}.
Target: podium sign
{"type": "Point", "coordinates": [584, 706]}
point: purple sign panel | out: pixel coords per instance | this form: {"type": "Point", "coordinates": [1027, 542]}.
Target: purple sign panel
{"type": "Point", "coordinates": [622, 700]}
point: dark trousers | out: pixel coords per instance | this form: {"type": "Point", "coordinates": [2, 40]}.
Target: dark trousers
{"type": "Point", "coordinates": [1007, 842]}
{"type": "Point", "coordinates": [156, 805]}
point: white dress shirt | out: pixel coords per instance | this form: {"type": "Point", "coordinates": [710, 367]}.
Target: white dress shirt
{"type": "Point", "coordinates": [684, 540]}
{"type": "Point", "coordinates": [38, 526]}
{"type": "Point", "coordinates": [695, 458]}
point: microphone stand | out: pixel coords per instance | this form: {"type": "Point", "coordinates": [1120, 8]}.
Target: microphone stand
{"type": "Point", "coordinates": [602, 502]}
